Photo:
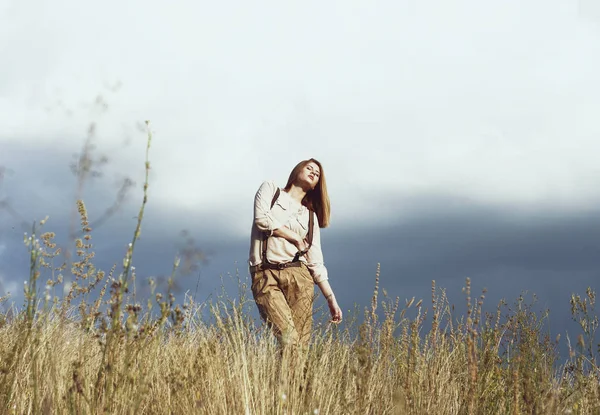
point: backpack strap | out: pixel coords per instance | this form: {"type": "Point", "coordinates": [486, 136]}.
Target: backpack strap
{"type": "Point", "coordinates": [275, 197]}
{"type": "Point", "coordinates": [266, 235]}
{"type": "Point", "coordinates": [311, 224]}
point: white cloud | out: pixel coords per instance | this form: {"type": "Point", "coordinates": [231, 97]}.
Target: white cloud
{"type": "Point", "coordinates": [494, 101]}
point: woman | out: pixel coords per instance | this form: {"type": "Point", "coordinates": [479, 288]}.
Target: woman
{"type": "Point", "coordinates": [286, 260]}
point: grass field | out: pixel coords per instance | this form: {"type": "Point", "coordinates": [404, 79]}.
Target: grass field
{"type": "Point", "coordinates": [96, 351]}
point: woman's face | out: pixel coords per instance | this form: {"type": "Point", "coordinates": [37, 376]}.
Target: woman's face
{"type": "Point", "coordinates": [310, 174]}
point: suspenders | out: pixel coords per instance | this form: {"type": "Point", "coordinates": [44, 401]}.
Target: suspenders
{"type": "Point", "coordinates": [296, 261]}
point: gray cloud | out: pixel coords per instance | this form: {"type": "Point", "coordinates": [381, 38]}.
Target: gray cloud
{"type": "Point", "coordinates": [438, 237]}
{"type": "Point", "coordinates": [469, 129]}
{"type": "Point", "coordinates": [497, 102]}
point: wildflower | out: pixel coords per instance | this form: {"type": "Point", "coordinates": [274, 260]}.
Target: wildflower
{"type": "Point", "coordinates": [283, 396]}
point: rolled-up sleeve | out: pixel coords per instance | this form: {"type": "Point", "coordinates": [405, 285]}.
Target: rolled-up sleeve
{"type": "Point", "coordinates": [314, 256]}
{"type": "Point", "coordinates": [263, 218]}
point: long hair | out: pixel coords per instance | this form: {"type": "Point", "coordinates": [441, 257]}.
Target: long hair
{"type": "Point", "coordinates": [316, 199]}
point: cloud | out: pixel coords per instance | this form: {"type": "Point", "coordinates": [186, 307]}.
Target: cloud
{"type": "Point", "coordinates": [496, 103]}
{"type": "Point", "coordinates": [439, 237]}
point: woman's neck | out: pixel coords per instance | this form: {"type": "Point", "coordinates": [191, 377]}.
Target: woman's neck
{"type": "Point", "coordinates": [296, 193]}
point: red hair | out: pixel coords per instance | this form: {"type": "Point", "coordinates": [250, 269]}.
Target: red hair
{"type": "Point", "coordinates": [317, 199]}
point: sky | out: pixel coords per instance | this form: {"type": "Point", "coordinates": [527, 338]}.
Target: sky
{"type": "Point", "coordinates": [458, 138]}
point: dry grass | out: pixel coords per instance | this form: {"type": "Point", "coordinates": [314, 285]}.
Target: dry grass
{"type": "Point", "coordinates": [96, 351]}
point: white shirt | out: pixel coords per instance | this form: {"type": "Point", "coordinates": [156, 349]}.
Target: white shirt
{"type": "Point", "coordinates": [288, 213]}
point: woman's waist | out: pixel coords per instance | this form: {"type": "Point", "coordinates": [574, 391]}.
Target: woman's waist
{"type": "Point", "coordinates": [278, 251]}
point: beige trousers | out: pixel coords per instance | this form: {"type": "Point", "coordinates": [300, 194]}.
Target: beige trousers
{"type": "Point", "coordinates": [285, 300]}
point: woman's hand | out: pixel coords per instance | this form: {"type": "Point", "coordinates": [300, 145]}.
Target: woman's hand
{"type": "Point", "coordinates": [334, 309]}
{"type": "Point", "coordinates": [301, 244]}
{"type": "Point", "coordinates": [291, 237]}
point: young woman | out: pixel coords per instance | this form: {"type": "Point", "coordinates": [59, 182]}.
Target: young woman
{"type": "Point", "coordinates": [286, 260]}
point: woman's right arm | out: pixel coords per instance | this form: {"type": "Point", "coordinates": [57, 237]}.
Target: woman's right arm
{"type": "Point", "coordinates": [266, 222]}
{"type": "Point", "coordinates": [263, 217]}
{"type": "Point", "coordinates": [291, 237]}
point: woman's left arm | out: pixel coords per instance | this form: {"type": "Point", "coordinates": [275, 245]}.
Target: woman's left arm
{"type": "Point", "coordinates": [334, 308]}
{"type": "Point", "coordinates": [314, 256]}
{"type": "Point", "coordinates": [316, 266]}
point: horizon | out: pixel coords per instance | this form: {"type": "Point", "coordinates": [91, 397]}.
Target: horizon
{"type": "Point", "coordinates": [458, 139]}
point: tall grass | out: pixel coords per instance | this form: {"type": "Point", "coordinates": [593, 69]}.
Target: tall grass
{"type": "Point", "coordinates": [98, 351]}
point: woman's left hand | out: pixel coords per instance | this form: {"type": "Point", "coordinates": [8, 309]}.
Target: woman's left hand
{"type": "Point", "coordinates": [335, 310]}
